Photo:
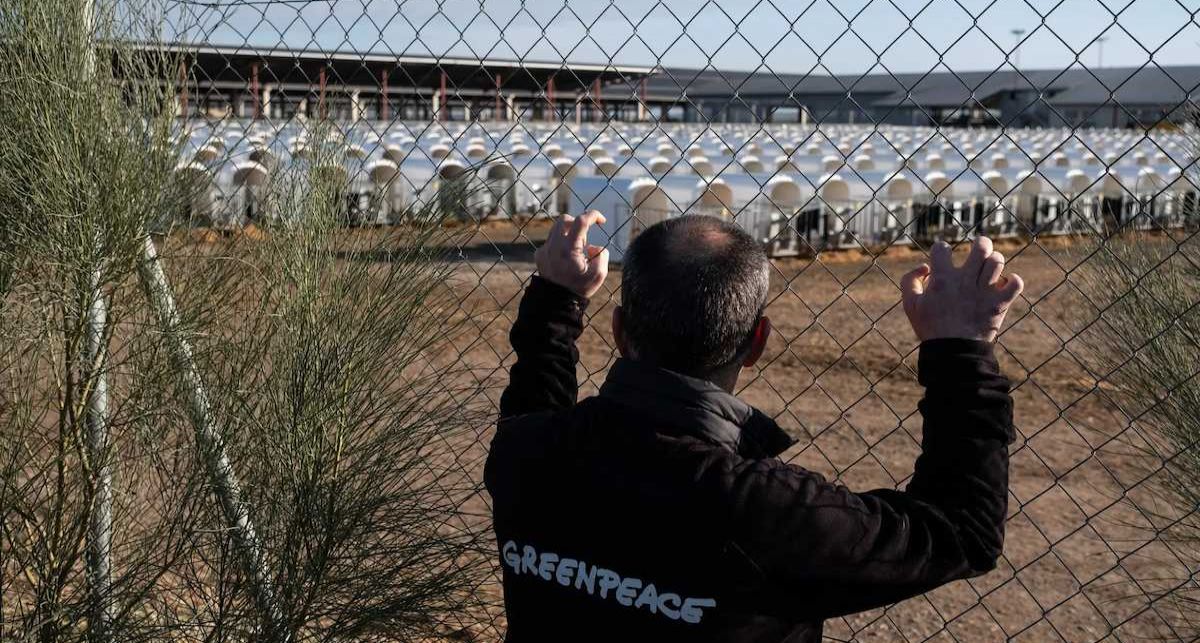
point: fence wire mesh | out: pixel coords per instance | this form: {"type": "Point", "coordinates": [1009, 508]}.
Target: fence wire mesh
{"type": "Point", "coordinates": [848, 141]}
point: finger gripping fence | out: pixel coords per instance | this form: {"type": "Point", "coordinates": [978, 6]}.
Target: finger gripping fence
{"type": "Point", "coordinates": [847, 137]}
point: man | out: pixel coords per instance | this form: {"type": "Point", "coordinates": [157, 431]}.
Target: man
{"type": "Point", "coordinates": [659, 510]}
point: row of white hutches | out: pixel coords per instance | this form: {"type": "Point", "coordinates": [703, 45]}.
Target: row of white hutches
{"type": "Point", "coordinates": [763, 149]}
{"type": "Point", "coordinates": [836, 186]}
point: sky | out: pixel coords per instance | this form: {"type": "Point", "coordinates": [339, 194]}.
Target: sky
{"type": "Point", "coordinates": [783, 36]}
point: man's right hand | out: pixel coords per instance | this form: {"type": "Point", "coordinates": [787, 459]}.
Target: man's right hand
{"type": "Point", "coordinates": [566, 258]}
{"type": "Point", "coordinates": [967, 302]}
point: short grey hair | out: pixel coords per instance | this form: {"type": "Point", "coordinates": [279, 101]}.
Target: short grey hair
{"type": "Point", "coordinates": [692, 290]}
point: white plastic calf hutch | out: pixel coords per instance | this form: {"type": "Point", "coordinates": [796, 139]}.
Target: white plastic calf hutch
{"type": "Point", "coordinates": [389, 191]}
{"type": "Point", "coordinates": [196, 182]}
{"type": "Point", "coordinates": [500, 180]}
{"type": "Point", "coordinates": [247, 198]}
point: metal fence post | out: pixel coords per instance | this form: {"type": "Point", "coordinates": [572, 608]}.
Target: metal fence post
{"type": "Point", "coordinates": [211, 445]}
{"type": "Point", "coordinates": [98, 555]}
{"type": "Point", "coordinates": [99, 538]}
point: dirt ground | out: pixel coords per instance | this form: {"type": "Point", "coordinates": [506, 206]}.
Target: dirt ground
{"type": "Point", "coordinates": [1080, 561]}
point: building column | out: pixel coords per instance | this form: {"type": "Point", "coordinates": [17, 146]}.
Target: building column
{"type": "Point", "coordinates": [578, 110]}
{"type": "Point", "coordinates": [553, 115]}
{"type": "Point", "coordinates": [322, 109]}
{"type": "Point", "coordinates": [496, 114]}
{"type": "Point", "coordinates": [442, 98]}
{"type": "Point", "coordinates": [641, 106]}
{"type": "Point", "coordinates": [510, 108]}
{"type": "Point", "coordinates": [265, 105]}
{"type": "Point", "coordinates": [356, 105]}
{"type": "Point", "coordinates": [598, 100]}
{"type": "Point", "coordinates": [436, 112]}
{"type": "Point", "coordinates": [255, 91]}
{"type": "Point", "coordinates": [384, 104]}
{"type": "Point", "coordinates": [183, 90]}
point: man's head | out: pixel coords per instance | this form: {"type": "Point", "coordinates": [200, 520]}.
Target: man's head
{"type": "Point", "coordinates": [693, 291]}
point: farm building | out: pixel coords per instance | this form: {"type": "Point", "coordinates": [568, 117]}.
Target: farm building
{"type": "Point", "coordinates": [806, 163]}
{"type": "Point", "coordinates": [248, 82]}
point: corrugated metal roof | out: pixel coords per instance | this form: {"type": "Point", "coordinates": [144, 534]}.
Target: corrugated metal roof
{"type": "Point", "coordinates": [1150, 85]}
{"type": "Point", "coordinates": [246, 51]}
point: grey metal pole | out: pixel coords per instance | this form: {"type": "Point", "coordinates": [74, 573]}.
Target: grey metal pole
{"type": "Point", "coordinates": [98, 547]}
{"type": "Point", "coordinates": [1017, 33]}
{"type": "Point", "coordinates": [212, 447]}
{"type": "Point", "coordinates": [98, 555]}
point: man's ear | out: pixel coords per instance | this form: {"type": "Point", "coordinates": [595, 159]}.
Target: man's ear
{"type": "Point", "coordinates": [618, 328]}
{"type": "Point", "coordinates": [762, 331]}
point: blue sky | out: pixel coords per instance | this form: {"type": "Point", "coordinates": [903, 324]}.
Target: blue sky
{"type": "Point", "coordinates": [817, 36]}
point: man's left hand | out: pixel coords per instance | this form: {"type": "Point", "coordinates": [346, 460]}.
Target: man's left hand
{"type": "Point", "coordinates": [568, 260]}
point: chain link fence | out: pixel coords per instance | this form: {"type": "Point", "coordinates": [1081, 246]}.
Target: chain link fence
{"type": "Point", "coordinates": [851, 137]}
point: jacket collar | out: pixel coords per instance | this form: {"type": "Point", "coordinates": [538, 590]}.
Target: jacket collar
{"type": "Point", "coordinates": [695, 407]}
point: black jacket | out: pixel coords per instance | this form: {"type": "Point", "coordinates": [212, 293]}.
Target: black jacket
{"type": "Point", "coordinates": [659, 510]}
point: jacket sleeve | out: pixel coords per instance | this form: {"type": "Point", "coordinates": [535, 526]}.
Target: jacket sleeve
{"type": "Point", "coordinates": [549, 322]}
{"type": "Point", "coordinates": [826, 551]}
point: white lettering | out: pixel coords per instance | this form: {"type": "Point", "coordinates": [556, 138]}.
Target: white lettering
{"type": "Point", "coordinates": [566, 567]}
{"type": "Point", "coordinates": [690, 613]}
{"type": "Point", "coordinates": [648, 598]}
{"type": "Point", "coordinates": [546, 566]}
{"type": "Point", "coordinates": [551, 568]}
{"type": "Point", "coordinates": [608, 580]}
{"type": "Point", "coordinates": [529, 560]}
{"type": "Point", "coordinates": [628, 590]}
{"type": "Point", "coordinates": [510, 556]}
{"type": "Point", "coordinates": [586, 577]}
{"type": "Point", "coordinates": [669, 612]}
